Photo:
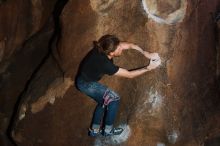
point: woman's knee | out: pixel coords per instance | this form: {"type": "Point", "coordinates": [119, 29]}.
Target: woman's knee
{"type": "Point", "coordinates": [114, 104]}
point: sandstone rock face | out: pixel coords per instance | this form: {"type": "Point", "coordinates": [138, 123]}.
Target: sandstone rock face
{"type": "Point", "coordinates": [176, 104]}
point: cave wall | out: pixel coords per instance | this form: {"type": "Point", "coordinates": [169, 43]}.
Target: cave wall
{"type": "Point", "coordinates": [176, 104]}
{"type": "Point", "coordinates": [26, 29]}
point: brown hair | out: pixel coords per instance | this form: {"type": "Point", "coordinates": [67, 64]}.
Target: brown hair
{"type": "Point", "coordinates": [106, 44]}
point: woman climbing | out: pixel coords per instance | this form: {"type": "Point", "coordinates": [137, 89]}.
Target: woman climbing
{"type": "Point", "coordinates": [98, 62]}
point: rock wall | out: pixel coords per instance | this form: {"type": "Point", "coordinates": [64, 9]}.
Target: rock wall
{"type": "Point", "coordinates": [176, 104]}
{"type": "Point", "coordinates": [26, 29]}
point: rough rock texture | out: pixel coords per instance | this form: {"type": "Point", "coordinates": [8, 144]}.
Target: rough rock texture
{"type": "Point", "coordinates": [176, 104]}
{"type": "Point", "coordinates": [26, 29]}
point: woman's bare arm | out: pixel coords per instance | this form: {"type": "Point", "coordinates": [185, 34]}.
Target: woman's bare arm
{"type": "Point", "coordinates": [126, 46]}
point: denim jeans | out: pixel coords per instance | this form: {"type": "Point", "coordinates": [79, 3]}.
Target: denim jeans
{"type": "Point", "coordinates": [98, 92]}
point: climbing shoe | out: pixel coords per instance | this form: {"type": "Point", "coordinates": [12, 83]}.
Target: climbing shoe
{"type": "Point", "coordinates": [114, 131]}
{"type": "Point", "coordinates": [94, 133]}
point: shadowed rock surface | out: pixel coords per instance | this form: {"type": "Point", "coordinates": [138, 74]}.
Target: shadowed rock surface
{"type": "Point", "coordinates": [177, 104]}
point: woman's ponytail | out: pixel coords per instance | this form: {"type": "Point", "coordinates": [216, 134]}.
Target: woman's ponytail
{"type": "Point", "coordinates": [97, 46]}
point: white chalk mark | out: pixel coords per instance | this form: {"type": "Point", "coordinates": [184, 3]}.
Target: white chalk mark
{"type": "Point", "coordinates": [155, 99]}
{"type": "Point", "coordinates": [151, 104]}
{"type": "Point", "coordinates": [150, 15]}
{"type": "Point", "coordinates": [172, 18]}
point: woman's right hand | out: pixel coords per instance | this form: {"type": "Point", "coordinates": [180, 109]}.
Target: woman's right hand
{"type": "Point", "coordinates": [151, 66]}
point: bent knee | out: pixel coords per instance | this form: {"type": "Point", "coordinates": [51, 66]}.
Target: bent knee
{"type": "Point", "coordinates": [110, 96]}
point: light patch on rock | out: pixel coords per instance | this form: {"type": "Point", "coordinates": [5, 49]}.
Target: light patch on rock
{"type": "Point", "coordinates": [173, 136]}
{"type": "Point", "coordinates": [56, 89]}
{"type": "Point", "coordinates": [160, 144]}
{"type": "Point", "coordinates": [155, 100]}
{"type": "Point", "coordinates": [22, 112]}
{"type": "Point", "coordinates": [150, 7]}
{"type": "Point", "coordinates": [101, 5]}
{"type": "Point", "coordinates": [116, 139]}
{"type": "Point", "coordinates": [52, 100]}
{"type": "Point", "coordinates": [151, 105]}
{"type": "Point", "coordinates": [17, 136]}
